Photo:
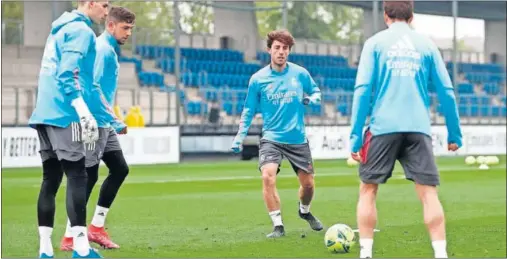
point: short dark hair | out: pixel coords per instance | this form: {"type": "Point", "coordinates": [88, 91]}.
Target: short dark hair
{"type": "Point", "coordinates": [121, 14]}
{"type": "Point", "coordinates": [282, 36]}
{"type": "Point", "coordinates": [399, 10]}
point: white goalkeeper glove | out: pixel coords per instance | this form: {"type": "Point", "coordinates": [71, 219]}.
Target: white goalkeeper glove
{"type": "Point", "coordinates": [313, 99]}
{"type": "Point", "coordinates": [237, 144]}
{"type": "Point", "coordinates": [89, 129]}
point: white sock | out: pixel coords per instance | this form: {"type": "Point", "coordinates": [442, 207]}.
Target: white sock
{"type": "Point", "coordinates": [45, 241]}
{"type": "Point", "coordinates": [81, 244]}
{"type": "Point", "coordinates": [440, 248]}
{"type": "Point", "coordinates": [68, 230]}
{"type": "Point", "coordinates": [304, 208]}
{"type": "Point", "coordinates": [99, 218]}
{"type": "Point", "coordinates": [366, 247]}
{"type": "Point", "coordinates": [276, 217]}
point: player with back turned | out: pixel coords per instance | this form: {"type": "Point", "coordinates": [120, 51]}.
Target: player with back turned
{"type": "Point", "coordinates": [395, 68]}
{"type": "Point", "coordinates": [280, 91]}
{"type": "Point", "coordinates": [119, 24]}
{"type": "Point", "coordinates": [64, 122]}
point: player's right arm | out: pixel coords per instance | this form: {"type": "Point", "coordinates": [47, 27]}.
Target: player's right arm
{"type": "Point", "coordinates": [249, 110]}
{"type": "Point", "coordinates": [102, 60]}
{"type": "Point", "coordinates": [362, 94]}
{"type": "Point", "coordinates": [445, 91]}
{"type": "Point", "coordinates": [74, 47]}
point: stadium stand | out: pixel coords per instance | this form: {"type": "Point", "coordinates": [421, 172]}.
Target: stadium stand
{"type": "Point", "coordinates": [218, 75]}
{"type": "Point", "coordinates": [217, 79]}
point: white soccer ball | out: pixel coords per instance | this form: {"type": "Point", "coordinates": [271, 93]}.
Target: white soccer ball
{"type": "Point", "coordinates": [492, 160]}
{"type": "Point", "coordinates": [470, 160]}
{"type": "Point", "coordinates": [481, 160]}
{"type": "Point", "coordinates": [339, 238]}
{"type": "Point", "coordinates": [351, 162]}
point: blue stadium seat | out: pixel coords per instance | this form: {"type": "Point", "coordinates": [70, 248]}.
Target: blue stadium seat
{"type": "Point", "coordinates": [465, 88]}
{"type": "Point", "coordinates": [344, 109]}
{"type": "Point", "coordinates": [227, 107]}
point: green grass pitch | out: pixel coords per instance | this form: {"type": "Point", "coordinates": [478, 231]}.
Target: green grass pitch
{"type": "Point", "coordinates": [216, 210]}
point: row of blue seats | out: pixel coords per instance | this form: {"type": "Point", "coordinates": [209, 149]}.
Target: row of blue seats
{"type": "Point", "coordinates": [479, 111]}
{"type": "Point", "coordinates": [152, 52]}
{"type": "Point", "coordinates": [224, 96]}
{"type": "Point", "coordinates": [235, 109]}
{"type": "Point", "coordinates": [474, 67]}
{"type": "Point", "coordinates": [467, 88]}
{"type": "Point", "coordinates": [196, 66]}
{"type": "Point", "coordinates": [485, 77]}
{"type": "Point", "coordinates": [464, 110]}
{"type": "Point", "coordinates": [332, 72]}
{"type": "Point", "coordinates": [240, 81]}
{"type": "Point", "coordinates": [151, 79]}
{"type": "Point", "coordinates": [138, 63]}
{"type": "Point", "coordinates": [308, 60]}
{"type": "Point", "coordinates": [475, 100]}
{"type": "Point", "coordinates": [193, 79]}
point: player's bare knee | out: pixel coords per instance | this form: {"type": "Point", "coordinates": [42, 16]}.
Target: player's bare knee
{"type": "Point", "coordinates": [426, 193]}
{"type": "Point", "coordinates": [368, 189]}
{"type": "Point", "coordinates": [269, 175]}
{"type": "Point", "coordinates": [306, 181]}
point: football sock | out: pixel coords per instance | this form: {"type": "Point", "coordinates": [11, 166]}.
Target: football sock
{"type": "Point", "coordinates": [81, 244]}
{"type": "Point", "coordinates": [276, 217]}
{"type": "Point", "coordinates": [440, 248]}
{"type": "Point", "coordinates": [304, 208]}
{"type": "Point", "coordinates": [68, 230]}
{"type": "Point", "coordinates": [99, 218]}
{"type": "Point", "coordinates": [45, 241]}
{"type": "Point", "coordinates": [366, 247]}
{"type": "Point", "coordinates": [76, 191]}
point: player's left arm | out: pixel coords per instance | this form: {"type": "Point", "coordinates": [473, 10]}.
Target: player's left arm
{"type": "Point", "coordinates": [362, 94]}
{"type": "Point", "coordinates": [445, 92]}
{"type": "Point", "coordinates": [311, 89]}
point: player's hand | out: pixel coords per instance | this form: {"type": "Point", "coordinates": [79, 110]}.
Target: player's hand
{"type": "Point", "coordinates": [356, 156]}
{"type": "Point", "coordinates": [237, 145]}
{"type": "Point", "coordinates": [452, 147]}
{"type": "Point", "coordinates": [119, 127]}
{"type": "Point", "coordinates": [89, 128]}
{"type": "Point", "coordinates": [313, 99]}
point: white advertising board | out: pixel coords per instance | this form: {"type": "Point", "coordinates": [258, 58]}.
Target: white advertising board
{"type": "Point", "coordinates": [333, 141]}
{"type": "Point", "coordinates": [154, 145]}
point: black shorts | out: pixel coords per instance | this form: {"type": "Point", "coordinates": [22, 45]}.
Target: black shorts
{"type": "Point", "coordinates": [414, 151]}
{"type": "Point", "coordinates": [299, 155]}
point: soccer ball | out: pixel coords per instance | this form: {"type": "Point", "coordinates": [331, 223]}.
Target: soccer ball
{"type": "Point", "coordinates": [339, 238]}
{"type": "Point", "coordinates": [492, 160]}
{"type": "Point", "coordinates": [470, 160]}
{"type": "Point", "coordinates": [481, 159]}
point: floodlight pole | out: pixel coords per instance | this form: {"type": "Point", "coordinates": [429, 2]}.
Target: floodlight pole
{"type": "Point", "coordinates": [177, 58]}
{"type": "Point", "coordinates": [454, 42]}
{"type": "Point", "coordinates": [375, 14]}
{"type": "Point", "coordinates": [284, 15]}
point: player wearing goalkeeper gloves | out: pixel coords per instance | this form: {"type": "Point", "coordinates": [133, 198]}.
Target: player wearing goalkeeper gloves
{"type": "Point", "coordinates": [280, 91]}
{"type": "Point", "coordinates": [64, 122]}
{"type": "Point", "coordinates": [394, 72]}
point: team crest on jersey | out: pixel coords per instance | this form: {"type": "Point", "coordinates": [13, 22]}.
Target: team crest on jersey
{"type": "Point", "coordinates": [294, 81]}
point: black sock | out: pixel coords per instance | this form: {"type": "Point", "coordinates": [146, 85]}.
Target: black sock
{"type": "Point", "coordinates": [52, 175]}
{"type": "Point", "coordinates": [118, 171]}
{"type": "Point", "coordinates": [76, 191]}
